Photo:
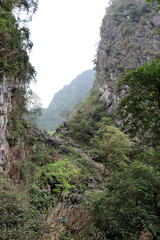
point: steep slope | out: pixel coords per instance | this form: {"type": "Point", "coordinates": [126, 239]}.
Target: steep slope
{"type": "Point", "coordinates": [16, 73]}
{"type": "Point", "coordinates": [129, 37]}
{"type": "Point", "coordinates": [65, 99]}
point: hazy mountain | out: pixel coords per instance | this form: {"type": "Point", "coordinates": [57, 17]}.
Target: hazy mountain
{"type": "Point", "coordinates": [65, 99]}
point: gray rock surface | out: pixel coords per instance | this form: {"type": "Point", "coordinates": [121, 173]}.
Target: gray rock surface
{"type": "Point", "coordinates": [7, 89]}
{"type": "Point", "coordinates": [129, 38]}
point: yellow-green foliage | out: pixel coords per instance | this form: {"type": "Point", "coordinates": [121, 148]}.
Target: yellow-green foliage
{"type": "Point", "coordinates": [62, 175]}
{"type": "Point", "coordinates": [112, 145]}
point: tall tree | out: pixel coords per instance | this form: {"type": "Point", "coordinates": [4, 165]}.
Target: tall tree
{"type": "Point", "coordinates": [112, 145]}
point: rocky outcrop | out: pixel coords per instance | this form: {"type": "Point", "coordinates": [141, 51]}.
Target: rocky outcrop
{"type": "Point", "coordinates": [64, 146]}
{"type": "Point", "coordinates": [8, 88]}
{"type": "Point", "coordinates": [129, 37]}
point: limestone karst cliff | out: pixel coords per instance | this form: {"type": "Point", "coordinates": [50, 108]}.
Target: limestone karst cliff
{"type": "Point", "coordinates": [7, 87]}
{"type": "Point", "coordinates": [129, 37]}
{"type": "Point", "coordinates": [16, 72]}
{"type": "Point", "coordinates": [88, 169]}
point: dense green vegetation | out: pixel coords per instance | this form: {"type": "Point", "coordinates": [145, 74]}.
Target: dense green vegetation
{"type": "Point", "coordinates": [131, 205]}
{"type": "Point", "coordinates": [18, 218]}
{"type": "Point", "coordinates": [45, 173]}
{"type": "Point", "coordinates": [140, 108]}
{"type": "Point", "coordinates": [60, 174]}
{"type": "Point", "coordinates": [112, 145]}
{"type": "Point", "coordinates": [130, 209]}
{"type": "Point", "coordinates": [127, 207]}
{"type": "Point", "coordinates": [85, 120]}
{"type": "Point", "coordinates": [15, 42]}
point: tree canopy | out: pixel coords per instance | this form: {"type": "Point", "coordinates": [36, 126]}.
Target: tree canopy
{"type": "Point", "coordinates": [131, 205]}
{"type": "Point", "coordinates": [60, 176]}
{"type": "Point", "coordinates": [111, 144]}
{"type": "Point", "coordinates": [140, 108]}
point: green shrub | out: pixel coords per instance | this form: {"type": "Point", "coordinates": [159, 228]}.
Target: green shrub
{"type": "Point", "coordinates": [42, 155]}
{"type": "Point", "coordinates": [18, 219]}
{"type": "Point", "coordinates": [27, 171]}
{"type": "Point", "coordinates": [40, 198]}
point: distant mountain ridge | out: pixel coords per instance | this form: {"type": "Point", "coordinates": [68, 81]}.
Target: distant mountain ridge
{"type": "Point", "coordinates": [65, 99]}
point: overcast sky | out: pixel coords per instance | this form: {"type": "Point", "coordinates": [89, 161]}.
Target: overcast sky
{"type": "Point", "coordinates": [65, 34]}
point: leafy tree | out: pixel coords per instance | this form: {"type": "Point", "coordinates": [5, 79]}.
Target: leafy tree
{"type": "Point", "coordinates": [112, 144]}
{"type": "Point", "coordinates": [131, 205]}
{"type": "Point", "coordinates": [60, 175]}
{"type": "Point", "coordinates": [151, 156]}
{"type": "Point", "coordinates": [140, 108]}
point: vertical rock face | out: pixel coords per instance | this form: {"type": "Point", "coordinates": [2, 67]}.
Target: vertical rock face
{"type": "Point", "coordinates": [7, 88]}
{"type": "Point", "coordinates": [130, 36]}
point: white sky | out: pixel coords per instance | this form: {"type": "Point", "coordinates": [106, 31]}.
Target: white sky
{"type": "Point", "coordinates": [65, 34]}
